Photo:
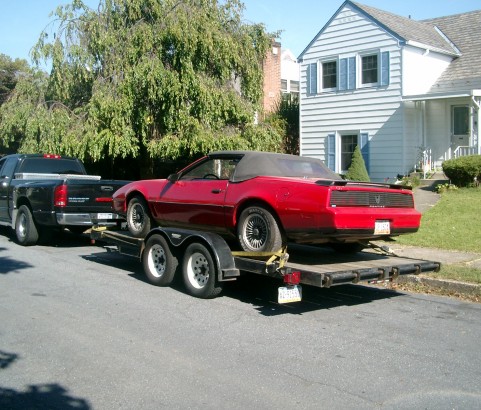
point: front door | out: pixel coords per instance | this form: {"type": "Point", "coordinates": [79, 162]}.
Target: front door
{"type": "Point", "coordinates": [459, 128]}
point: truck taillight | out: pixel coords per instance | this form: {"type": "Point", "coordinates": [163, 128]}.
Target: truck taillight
{"type": "Point", "coordinates": [103, 200]}
{"type": "Point", "coordinates": [53, 156]}
{"type": "Point", "coordinates": [60, 195]}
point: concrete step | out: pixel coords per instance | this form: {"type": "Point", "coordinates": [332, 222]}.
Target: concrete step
{"type": "Point", "coordinates": [436, 179]}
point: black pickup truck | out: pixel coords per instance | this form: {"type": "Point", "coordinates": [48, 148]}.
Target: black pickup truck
{"type": "Point", "coordinates": [41, 192]}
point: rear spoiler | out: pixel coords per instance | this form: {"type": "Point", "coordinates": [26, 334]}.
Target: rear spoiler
{"type": "Point", "coordinates": [327, 182]}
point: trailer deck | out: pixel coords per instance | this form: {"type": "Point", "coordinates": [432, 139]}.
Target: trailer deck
{"type": "Point", "coordinates": [315, 266]}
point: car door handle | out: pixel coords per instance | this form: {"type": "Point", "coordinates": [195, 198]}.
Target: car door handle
{"type": "Point", "coordinates": [216, 191]}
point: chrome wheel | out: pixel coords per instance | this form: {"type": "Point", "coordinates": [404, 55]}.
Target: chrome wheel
{"type": "Point", "coordinates": [256, 231]}
{"type": "Point", "coordinates": [157, 261]}
{"type": "Point", "coordinates": [137, 216]}
{"type": "Point", "coordinates": [22, 226]}
{"type": "Point", "coordinates": [198, 270]}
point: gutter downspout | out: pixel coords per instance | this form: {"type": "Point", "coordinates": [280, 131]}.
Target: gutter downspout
{"type": "Point", "coordinates": [476, 122]}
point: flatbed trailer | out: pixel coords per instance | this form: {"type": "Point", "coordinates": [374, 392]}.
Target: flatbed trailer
{"type": "Point", "coordinates": [206, 261]}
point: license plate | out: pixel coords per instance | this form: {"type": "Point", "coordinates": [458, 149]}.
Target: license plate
{"type": "Point", "coordinates": [382, 228]}
{"type": "Point", "coordinates": [104, 216]}
{"type": "Point", "coordinates": [288, 294]}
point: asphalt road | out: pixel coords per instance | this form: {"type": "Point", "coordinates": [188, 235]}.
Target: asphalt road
{"type": "Point", "coordinates": [81, 329]}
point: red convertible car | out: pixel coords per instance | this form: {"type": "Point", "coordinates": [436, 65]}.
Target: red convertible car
{"type": "Point", "coordinates": [266, 199]}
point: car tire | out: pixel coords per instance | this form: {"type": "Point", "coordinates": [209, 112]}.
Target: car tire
{"type": "Point", "coordinates": [25, 228]}
{"type": "Point", "coordinates": [351, 247]}
{"type": "Point", "coordinates": [158, 261]}
{"type": "Point", "coordinates": [258, 231]}
{"type": "Point", "coordinates": [199, 272]}
{"type": "Point", "coordinates": [139, 221]}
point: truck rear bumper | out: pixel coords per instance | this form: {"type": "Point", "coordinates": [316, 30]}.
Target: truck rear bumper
{"type": "Point", "coordinates": [88, 219]}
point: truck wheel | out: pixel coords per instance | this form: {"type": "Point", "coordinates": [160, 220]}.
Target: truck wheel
{"type": "Point", "coordinates": [159, 263]}
{"type": "Point", "coordinates": [139, 221]}
{"type": "Point", "coordinates": [258, 231]}
{"type": "Point", "coordinates": [199, 272]}
{"type": "Point", "coordinates": [25, 228]}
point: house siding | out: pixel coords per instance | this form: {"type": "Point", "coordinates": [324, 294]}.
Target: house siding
{"type": "Point", "coordinates": [377, 111]}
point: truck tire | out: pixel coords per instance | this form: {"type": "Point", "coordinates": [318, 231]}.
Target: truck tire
{"type": "Point", "coordinates": [139, 221]}
{"type": "Point", "coordinates": [25, 227]}
{"type": "Point", "coordinates": [258, 230]}
{"type": "Point", "coordinates": [199, 272]}
{"type": "Point", "coordinates": [159, 263]}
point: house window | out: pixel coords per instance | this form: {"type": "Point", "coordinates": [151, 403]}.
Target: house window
{"type": "Point", "coordinates": [348, 144]}
{"type": "Point", "coordinates": [369, 70]}
{"type": "Point", "coordinates": [284, 86]}
{"type": "Point", "coordinates": [329, 75]}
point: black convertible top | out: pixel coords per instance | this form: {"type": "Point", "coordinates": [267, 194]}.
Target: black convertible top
{"type": "Point", "coordinates": [255, 163]}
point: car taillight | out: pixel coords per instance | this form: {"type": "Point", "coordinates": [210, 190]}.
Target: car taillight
{"type": "Point", "coordinates": [60, 195]}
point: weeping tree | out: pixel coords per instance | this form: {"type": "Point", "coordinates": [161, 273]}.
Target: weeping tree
{"type": "Point", "coordinates": [143, 79]}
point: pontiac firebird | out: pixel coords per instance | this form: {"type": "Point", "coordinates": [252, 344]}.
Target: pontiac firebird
{"type": "Point", "coordinates": [266, 200]}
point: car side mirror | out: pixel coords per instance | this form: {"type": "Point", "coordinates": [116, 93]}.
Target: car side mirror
{"type": "Point", "coordinates": [173, 178]}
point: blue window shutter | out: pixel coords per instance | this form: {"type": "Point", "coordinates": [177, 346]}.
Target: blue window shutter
{"type": "Point", "coordinates": [385, 68]}
{"type": "Point", "coordinates": [331, 151]}
{"type": "Point", "coordinates": [312, 78]}
{"type": "Point", "coordinates": [364, 146]}
{"type": "Point", "coordinates": [347, 73]}
{"type": "Point", "coordinates": [343, 74]}
{"type": "Point", "coordinates": [351, 83]}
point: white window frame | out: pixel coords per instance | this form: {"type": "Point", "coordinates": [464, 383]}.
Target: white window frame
{"type": "Point", "coordinates": [321, 74]}
{"type": "Point", "coordinates": [362, 55]}
{"type": "Point", "coordinates": [339, 152]}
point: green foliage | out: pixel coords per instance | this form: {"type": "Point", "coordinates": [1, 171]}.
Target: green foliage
{"type": "Point", "coordinates": [462, 171]}
{"type": "Point", "coordinates": [10, 72]}
{"type": "Point", "coordinates": [148, 78]}
{"type": "Point", "coordinates": [441, 188]}
{"type": "Point", "coordinates": [357, 170]}
{"type": "Point", "coordinates": [411, 180]}
{"type": "Point", "coordinates": [288, 110]}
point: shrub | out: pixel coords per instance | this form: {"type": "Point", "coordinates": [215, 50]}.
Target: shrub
{"type": "Point", "coordinates": [463, 171]}
{"type": "Point", "coordinates": [357, 170]}
{"type": "Point", "coordinates": [441, 188]}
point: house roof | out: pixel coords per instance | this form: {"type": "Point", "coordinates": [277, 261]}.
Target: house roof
{"type": "Point", "coordinates": [421, 33]}
{"type": "Point", "coordinates": [464, 31]}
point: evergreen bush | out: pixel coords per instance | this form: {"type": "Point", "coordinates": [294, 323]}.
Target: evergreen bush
{"type": "Point", "coordinates": [357, 170]}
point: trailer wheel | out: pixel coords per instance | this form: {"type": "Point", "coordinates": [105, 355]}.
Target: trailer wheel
{"type": "Point", "coordinates": [199, 272]}
{"type": "Point", "coordinates": [258, 230]}
{"type": "Point", "coordinates": [159, 263]}
{"type": "Point", "coordinates": [139, 221]}
{"type": "Point", "coordinates": [25, 228]}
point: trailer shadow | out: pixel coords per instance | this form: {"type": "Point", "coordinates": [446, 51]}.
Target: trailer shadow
{"type": "Point", "coordinates": [261, 293]}
{"type": "Point", "coordinates": [257, 290]}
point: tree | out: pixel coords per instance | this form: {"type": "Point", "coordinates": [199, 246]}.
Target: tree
{"type": "Point", "coordinates": [357, 170]}
{"type": "Point", "coordinates": [288, 110]}
{"type": "Point", "coordinates": [147, 79]}
{"type": "Point", "coordinates": [10, 71]}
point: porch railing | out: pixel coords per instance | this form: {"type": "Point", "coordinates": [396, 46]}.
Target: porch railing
{"type": "Point", "coordinates": [462, 151]}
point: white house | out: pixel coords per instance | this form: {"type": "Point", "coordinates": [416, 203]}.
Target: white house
{"type": "Point", "coordinates": [395, 86]}
{"type": "Point", "coordinates": [289, 73]}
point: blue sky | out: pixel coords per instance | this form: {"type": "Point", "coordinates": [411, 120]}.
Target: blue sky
{"type": "Point", "coordinates": [21, 21]}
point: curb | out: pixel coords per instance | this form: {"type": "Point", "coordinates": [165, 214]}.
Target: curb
{"type": "Point", "coordinates": [450, 286]}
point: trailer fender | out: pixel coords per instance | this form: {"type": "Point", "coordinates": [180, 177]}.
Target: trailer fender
{"type": "Point", "coordinates": [222, 254]}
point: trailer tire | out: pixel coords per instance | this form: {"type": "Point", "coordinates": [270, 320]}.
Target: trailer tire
{"type": "Point", "coordinates": [258, 230]}
{"type": "Point", "coordinates": [139, 221]}
{"type": "Point", "coordinates": [199, 272]}
{"type": "Point", "coordinates": [25, 228]}
{"type": "Point", "coordinates": [158, 261]}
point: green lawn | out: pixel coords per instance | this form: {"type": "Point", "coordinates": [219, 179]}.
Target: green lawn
{"type": "Point", "coordinates": [453, 223]}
